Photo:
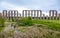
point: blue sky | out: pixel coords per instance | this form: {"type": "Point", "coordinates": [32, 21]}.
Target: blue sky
{"type": "Point", "coordinates": [44, 5]}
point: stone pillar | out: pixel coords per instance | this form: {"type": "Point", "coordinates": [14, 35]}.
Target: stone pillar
{"type": "Point", "coordinates": [46, 17]}
{"type": "Point", "coordinates": [56, 14]}
{"type": "Point", "coordinates": [40, 14]}
{"type": "Point", "coordinates": [43, 16]}
{"type": "Point", "coordinates": [34, 14]}
{"type": "Point", "coordinates": [0, 15]}
{"type": "Point", "coordinates": [59, 16]}
{"type": "Point", "coordinates": [50, 14]}
{"type": "Point", "coordinates": [53, 13]}
{"type": "Point", "coordinates": [9, 15]}
{"type": "Point", "coordinates": [17, 15]}
{"type": "Point", "coordinates": [14, 13]}
{"type": "Point", "coordinates": [37, 14]}
{"type": "Point", "coordinates": [23, 13]}
{"type": "Point", "coordinates": [5, 14]}
{"type": "Point", "coordinates": [28, 13]}
{"type": "Point", "coordinates": [20, 15]}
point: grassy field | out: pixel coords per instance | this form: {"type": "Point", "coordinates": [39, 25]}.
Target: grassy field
{"type": "Point", "coordinates": [42, 29]}
{"type": "Point", "coordinates": [28, 28]}
{"type": "Point", "coordinates": [54, 24]}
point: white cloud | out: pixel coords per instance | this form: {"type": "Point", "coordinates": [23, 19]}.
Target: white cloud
{"type": "Point", "coordinates": [8, 6]}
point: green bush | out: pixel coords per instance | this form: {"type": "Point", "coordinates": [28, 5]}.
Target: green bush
{"type": "Point", "coordinates": [25, 21]}
{"type": "Point", "coordinates": [2, 22]}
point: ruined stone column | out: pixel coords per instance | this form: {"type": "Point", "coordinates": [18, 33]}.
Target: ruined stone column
{"type": "Point", "coordinates": [37, 14]}
{"type": "Point", "coordinates": [56, 14]}
{"type": "Point", "coordinates": [40, 14]}
{"type": "Point", "coordinates": [9, 15]}
{"type": "Point", "coordinates": [34, 14]}
{"type": "Point", "coordinates": [0, 15]}
{"type": "Point", "coordinates": [59, 16]}
{"type": "Point", "coordinates": [43, 16]}
{"type": "Point", "coordinates": [14, 13]}
{"type": "Point", "coordinates": [50, 14]}
{"type": "Point", "coordinates": [23, 13]}
{"type": "Point", "coordinates": [5, 14]}
{"type": "Point", "coordinates": [20, 15]}
{"type": "Point", "coordinates": [46, 17]}
{"type": "Point", "coordinates": [17, 15]}
{"type": "Point", "coordinates": [28, 13]}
